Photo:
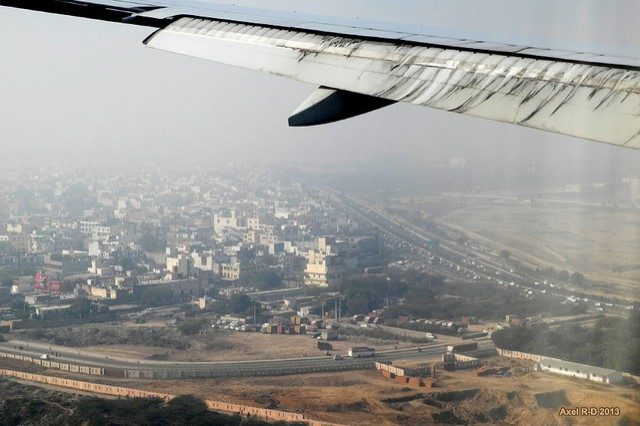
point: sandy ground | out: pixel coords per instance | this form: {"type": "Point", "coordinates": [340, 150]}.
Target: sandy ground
{"type": "Point", "coordinates": [366, 398]}
{"type": "Point", "coordinates": [601, 243]}
{"type": "Point", "coordinates": [244, 346]}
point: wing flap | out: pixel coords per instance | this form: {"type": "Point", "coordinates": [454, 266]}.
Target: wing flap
{"type": "Point", "coordinates": [327, 105]}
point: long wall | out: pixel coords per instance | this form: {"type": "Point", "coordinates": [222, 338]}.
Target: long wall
{"type": "Point", "coordinates": [137, 393]}
{"type": "Point", "coordinates": [521, 355]}
{"type": "Point", "coordinates": [187, 373]}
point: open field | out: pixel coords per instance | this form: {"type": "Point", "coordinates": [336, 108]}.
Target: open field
{"type": "Point", "coordinates": [602, 243]}
{"type": "Point", "coordinates": [365, 397]}
{"type": "Point", "coordinates": [461, 397]}
{"type": "Point", "coordinates": [212, 345]}
{"type": "Point", "coordinates": [243, 346]}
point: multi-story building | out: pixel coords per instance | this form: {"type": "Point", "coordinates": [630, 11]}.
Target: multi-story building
{"type": "Point", "coordinates": [181, 265]}
{"type": "Point", "coordinates": [324, 266]}
{"type": "Point", "coordinates": [222, 222]}
{"type": "Point", "coordinates": [234, 269]}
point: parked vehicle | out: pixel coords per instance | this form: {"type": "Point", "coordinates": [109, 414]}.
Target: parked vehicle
{"type": "Point", "coordinates": [361, 351]}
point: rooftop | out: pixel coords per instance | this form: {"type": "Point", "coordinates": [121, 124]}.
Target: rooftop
{"type": "Point", "coordinates": [574, 366]}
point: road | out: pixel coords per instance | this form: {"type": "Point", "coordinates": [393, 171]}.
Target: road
{"type": "Point", "coordinates": [454, 261]}
{"type": "Point", "coordinates": [220, 368]}
{"type": "Point", "coordinates": [420, 237]}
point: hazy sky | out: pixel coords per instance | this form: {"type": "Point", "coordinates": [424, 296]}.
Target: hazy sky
{"type": "Point", "coordinates": [73, 89]}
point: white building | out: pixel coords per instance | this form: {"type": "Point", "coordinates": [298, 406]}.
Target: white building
{"type": "Point", "coordinates": [204, 262]}
{"type": "Point", "coordinates": [181, 265]}
{"type": "Point", "coordinates": [21, 287]}
{"type": "Point", "coordinates": [582, 371]}
{"type": "Point", "coordinates": [222, 223]}
{"type": "Point", "coordinates": [324, 266]}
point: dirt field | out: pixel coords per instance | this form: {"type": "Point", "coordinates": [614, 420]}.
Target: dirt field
{"type": "Point", "coordinates": [166, 343]}
{"type": "Point", "coordinates": [229, 345]}
{"type": "Point", "coordinates": [365, 398]}
{"type": "Point", "coordinates": [601, 243]}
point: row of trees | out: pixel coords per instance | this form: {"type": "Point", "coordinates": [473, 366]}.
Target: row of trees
{"type": "Point", "coordinates": [184, 410]}
{"type": "Point", "coordinates": [611, 343]}
{"type": "Point", "coordinates": [365, 293]}
{"type": "Point", "coordinates": [428, 296]}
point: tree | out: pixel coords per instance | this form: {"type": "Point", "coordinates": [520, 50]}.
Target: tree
{"type": "Point", "coordinates": [577, 278]}
{"type": "Point", "coordinates": [240, 303]}
{"type": "Point", "coordinates": [264, 280]}
{"type": "Point", "coordinates": [364, 294]}
{"type": "Point", "coordinates": [82, 308]}
{"type": "Point", "coordinates": [187, 409]}
{"type": "Point", "coordinates": [512, 338]}
{"type": "Point", "coordinates": [127, 263]}
{"type": "Point", "coordinates": [153, 295]}
{"type": "Point", "coordinates": [21, 309]}
{"type": "Point", "coordinates": [191, 326]}
{"type": "Point", "coordinates": [213, 293]}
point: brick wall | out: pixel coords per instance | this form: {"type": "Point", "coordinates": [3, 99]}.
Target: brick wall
{"type": "Point", "coordinates": [137, 393]}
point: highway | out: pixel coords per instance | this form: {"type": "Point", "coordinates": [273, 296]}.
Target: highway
{"type": "Point", "coordinates": [456, 262]}
{"type": "Point", "coordinates": [220, 368]}
{"type": "Point", "coordinates": [420, 237]}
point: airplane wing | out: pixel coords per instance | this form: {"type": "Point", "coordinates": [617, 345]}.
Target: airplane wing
{"type": "Point", "coordinates": [359, 67]}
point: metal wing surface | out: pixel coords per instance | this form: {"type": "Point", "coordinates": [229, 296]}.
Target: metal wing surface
{"type": "Point", "coordinates": [361, 66]}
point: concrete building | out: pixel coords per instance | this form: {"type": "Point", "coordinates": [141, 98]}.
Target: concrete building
{"type": "Point", "coordinates": [204, 302]}
{"type": "Point", "coordinates": [103, 292]}
{"type": "Point", "coordinates": [222, 222]}
{"type": "Point", "coordinates": [181, 265]}
{"type": "Point", "coordinates": [253, 223]}
{"type": "Point", "coordinates": [97, 230]}
{"type": "Point", "coordinates": [582, 371]}
{"type": "Point", "coordinates": [47, 311]}
{"type": "Point", "coordinates": [183, 289]}
{"type": "Point", "coordinates": [205, 262]}
{"type": "Point", "coordinates": [324, 267]}
{"type": "Point", "coordinates": [22, 285]}
{"type": "Point", "coordinates": [233, 270]}
{"type": "Point", "coordinates": [66, 263]}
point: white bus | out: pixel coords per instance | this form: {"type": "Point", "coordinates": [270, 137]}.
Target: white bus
{"type": "Point", "coordinates": [361, 351]}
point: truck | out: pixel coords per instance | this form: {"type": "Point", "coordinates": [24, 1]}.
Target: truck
{"type": "Point", "coordinates": [324, 345]}
{"type": "Point", "coordinates": [361, 352]}
{"type": "Point", "coordinates": [463, 347]}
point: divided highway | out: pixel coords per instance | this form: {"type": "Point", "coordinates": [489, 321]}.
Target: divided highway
{"type": "Point", "coordinates": [168, 369]}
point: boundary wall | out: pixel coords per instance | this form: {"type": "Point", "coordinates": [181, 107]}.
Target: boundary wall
{"type": "Point", "coordinates": [185, 372]}
{"type": "Point", "coordinates": [137, 393]}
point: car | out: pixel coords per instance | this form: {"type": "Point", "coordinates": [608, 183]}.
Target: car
{"type": "Point", "coordinates": [44, 356]}
{"type": "Point", "coordinates": [338, 357]}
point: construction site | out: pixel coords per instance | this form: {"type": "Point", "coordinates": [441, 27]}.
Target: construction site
{"type": "Point", "coordinates": [462, 385]}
